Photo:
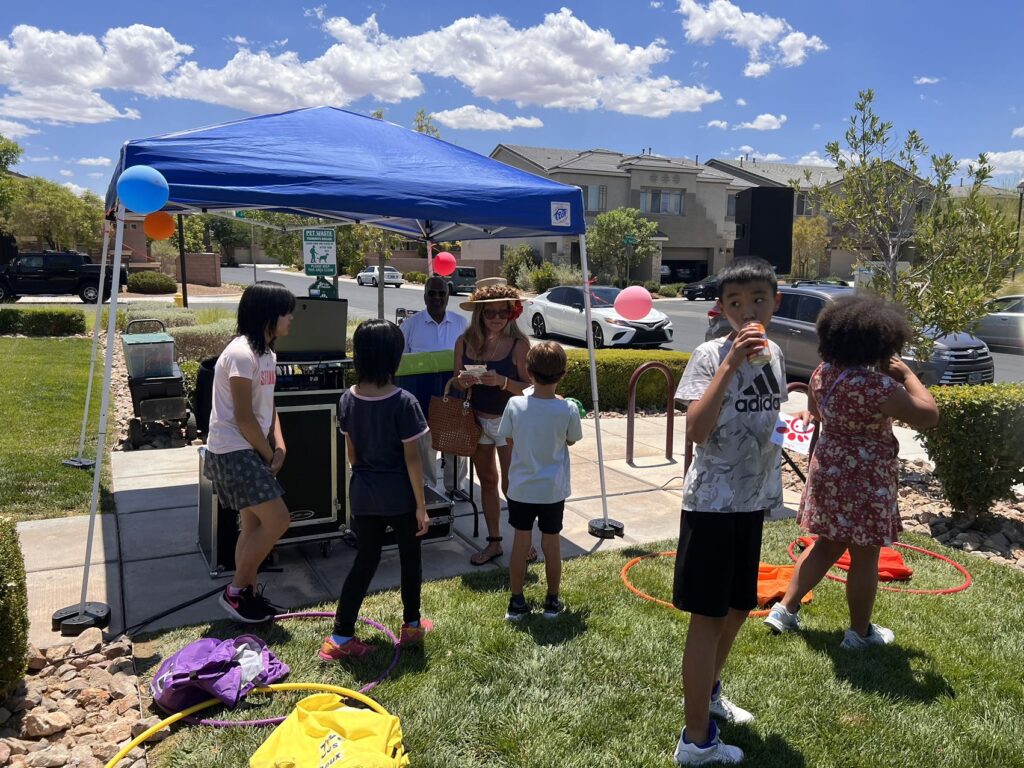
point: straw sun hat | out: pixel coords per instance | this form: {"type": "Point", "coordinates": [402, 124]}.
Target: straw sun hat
{"type": "Point", "coordinates": [492, 294]}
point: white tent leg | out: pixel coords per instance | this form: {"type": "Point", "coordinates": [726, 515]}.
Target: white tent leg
{"type": "Point", "coordinates": [76, 619]}
{"type": "Point", "coordinates": [80, 461]}
{"type": "Point", "coordinates": [430, 259]}
{"type": "Point", "coordinates": [602, 527]}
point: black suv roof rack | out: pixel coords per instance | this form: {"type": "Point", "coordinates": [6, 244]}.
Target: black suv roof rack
{"type": "Point", "coordinates": [834, 283]}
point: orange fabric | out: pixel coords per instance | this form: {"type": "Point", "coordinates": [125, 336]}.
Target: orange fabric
{"type": "Point", "coordinates": [891, 566]}
{"type": "Point", "coordinates": [772, 582]}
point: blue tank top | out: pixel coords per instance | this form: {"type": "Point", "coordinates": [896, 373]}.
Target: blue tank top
{"type": "Point", "coordinates": [492, 400]}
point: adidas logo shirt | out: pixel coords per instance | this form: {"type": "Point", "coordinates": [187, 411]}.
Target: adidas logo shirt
{"type": "Point", "coordinates": [737, 469]}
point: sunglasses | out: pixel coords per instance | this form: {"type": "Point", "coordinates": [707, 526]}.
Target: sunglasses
{"type": "Point", "coordinates": [439, 294]}
{"type": "Point", "coordinates": [496, 314]}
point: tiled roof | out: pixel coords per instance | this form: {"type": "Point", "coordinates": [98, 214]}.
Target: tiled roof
{"type": "Point", "coordinates": [783, 173]}
{"type": "Point", "coordinates": [987, 190]}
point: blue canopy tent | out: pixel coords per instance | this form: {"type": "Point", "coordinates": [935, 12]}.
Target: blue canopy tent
{"type": "Point", "coordinates": [348, 169]}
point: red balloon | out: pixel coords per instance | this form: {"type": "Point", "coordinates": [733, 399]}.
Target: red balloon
{"type": "Point", "coordinates": [159, 225]}
{"type": "Point", "coordinates": [633, 303]}
{"type": "Point", "coordinates": [444, 263]}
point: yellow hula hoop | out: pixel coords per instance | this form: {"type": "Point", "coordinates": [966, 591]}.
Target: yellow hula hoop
{"type": "Point", "coordinates": [149, 732]}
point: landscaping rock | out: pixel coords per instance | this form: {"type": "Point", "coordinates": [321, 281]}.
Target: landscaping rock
{"type": "Point", "coordinates": [88, 642]}
{"type": "Point", "coordinates": [5, 750]}
{"type": "Point", "coordinates": [5, 715]}
{"type": "Point", "coordinates": [42, 723]}
{"type": "Point", "coordinates": [35, 660]}
{"type": "Point", "coordinates": [144, 725]}
{"type": "Point", "coordinates": [55, 756]}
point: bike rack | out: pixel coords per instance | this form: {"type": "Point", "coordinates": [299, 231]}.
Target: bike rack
{"type": "Point", "coordinates": [631, 407]}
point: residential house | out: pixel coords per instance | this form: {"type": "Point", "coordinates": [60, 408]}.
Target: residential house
{"type": "Point", "coordinates": [692, 204]}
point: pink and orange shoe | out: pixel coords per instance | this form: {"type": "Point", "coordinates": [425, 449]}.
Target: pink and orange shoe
{"type": "Point", "coordinates": [353, 649]}
{"type": "Point", "coordinates": [414, 635]}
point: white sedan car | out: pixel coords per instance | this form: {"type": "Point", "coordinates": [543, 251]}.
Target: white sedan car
{"type": "Point", "coordinates": [560, 312]}
{"type": "Point", "coordinates": [369, 276]}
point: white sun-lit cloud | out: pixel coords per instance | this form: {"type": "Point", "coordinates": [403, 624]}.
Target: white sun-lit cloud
{"type": "Point", "coordinates": [748, 152]}
{"type": "Point", "coordinates": [722, 124]}
{"type": "Point", "coordinates": [1003, 163]}
{"type": "Point", "coordinates": [1018, 133]}
{"type": "Point", "coordinates": [813, 158]}
{"type": "Point", "coordinates": [741, 102]}
{"type": "Point", "coordinates": [925, 80]}
{"type": "Point", "coordinates": [96, 175]}
{"type": "Point", "coordinates": [76, 188]}
{"type": "Point", "coordinates": [769, 41]}
{"type": "Point", "coordinates": [100, 161]}
{"type": "Point", "coordinates": [763, 122]}
{"type": "Point", "coordinates": [238, 40]}
{"type": "Point", "coordinates": [816, 127]}
{"type": "Point", "coordinates": [657, 3]}
{"type": "Point", "coordinates": [15, 130]}
{"type": "Point", "coordinates": [472, 117]}
{"type": "Point", "coordinates": [65, 172]}
{"type": "Point", "coordinates": [40, 158]}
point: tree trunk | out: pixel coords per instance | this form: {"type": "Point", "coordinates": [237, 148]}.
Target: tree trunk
{"type": "Point", "coordinates": [380, 285]}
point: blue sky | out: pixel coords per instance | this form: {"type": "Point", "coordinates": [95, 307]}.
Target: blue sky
{"type": "Point", "coordinates": [707, 78]}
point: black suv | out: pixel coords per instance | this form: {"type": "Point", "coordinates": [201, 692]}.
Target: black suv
{"type": "Point", "coordinates": [702, 289]}
{"type": "Point", "coordinates": [958, 358]}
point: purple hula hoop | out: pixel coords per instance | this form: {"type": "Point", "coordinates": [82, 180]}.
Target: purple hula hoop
{"type": "Point", "coordinates": [310, 615]}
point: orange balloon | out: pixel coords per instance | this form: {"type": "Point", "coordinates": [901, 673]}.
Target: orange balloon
{"type": "Point", "coordinates": [159, 225]}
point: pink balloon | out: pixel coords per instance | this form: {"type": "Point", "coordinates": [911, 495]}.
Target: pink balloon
{"type": "Point", "coordinates": [444, 263]}
{"type": "Point", "coordinates": [633, 303]}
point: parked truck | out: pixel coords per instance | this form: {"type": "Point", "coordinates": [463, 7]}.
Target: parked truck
{"type": "Point", "coordinates": [56, 273]}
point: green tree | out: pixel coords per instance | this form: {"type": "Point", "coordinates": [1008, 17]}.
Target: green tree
{"type": "Point", "coordinates": [607, 242]}
{"type": "Point", "coordinates": [55, 215]}
{"type": "Point", "coordinates": [377, 244]}
{"type": "Point", "coordinates": [810, 241]}
{"type": "Point", "coordinates": [516, 258]}
{"type": "Point", "coordinates": [887, 212]}
{"type": "Point", "coordinates": [227, 233]}
{"type": "Point", "coordinates": [10, 154]}
{"type": "Point", "coordinates": [377, 114]}
{"type": "Point", "coordinates": [424, 123]}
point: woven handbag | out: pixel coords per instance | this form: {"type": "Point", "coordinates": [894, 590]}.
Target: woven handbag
{"type": "Point", "coordinates": [453, 425]}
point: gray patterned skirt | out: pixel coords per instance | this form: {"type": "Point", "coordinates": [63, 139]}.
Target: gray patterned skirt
{"type": "Point", "coordinates": [241, 479]}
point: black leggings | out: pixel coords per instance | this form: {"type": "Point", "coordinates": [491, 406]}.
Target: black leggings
{"type": "Point", "coordinates": [370, 535]}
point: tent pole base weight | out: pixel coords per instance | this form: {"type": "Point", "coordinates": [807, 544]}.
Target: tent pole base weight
{"type": "Point", "coordinates": [605, 529]}
{"type": "Point", "coordinates": [71, 622]}
{"type": "Point", "coordinates": [79, 463]}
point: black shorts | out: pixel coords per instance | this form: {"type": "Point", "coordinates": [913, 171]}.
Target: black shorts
{"type": "Point", "coordinates": [548, 516]}
{"type": "Point", "coordinates": [716, 562]}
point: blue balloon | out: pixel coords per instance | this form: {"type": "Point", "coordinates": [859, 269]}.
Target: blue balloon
{"type": "Point", "coordinates": [142, 189]}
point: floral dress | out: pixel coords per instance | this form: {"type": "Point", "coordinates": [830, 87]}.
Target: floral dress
{"type": "Point", "coordinates": [851, 490]}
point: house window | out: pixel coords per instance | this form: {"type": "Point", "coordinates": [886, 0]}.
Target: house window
{"type": "Point", "coordinates": [803, 205]}
{"type": "Point", "coordinates": [133, 226]}
{"type": "Point", "coordinates": [731, 206]}
{"type": "Point", "coordinates": [661, 201]}
{"type": "Point", "coordinates": [501, 252]}
{"type": "Point", "coordinates": [595, 197]}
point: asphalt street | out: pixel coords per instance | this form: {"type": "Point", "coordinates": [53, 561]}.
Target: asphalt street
{"type": "Point", "coordinates": [689, 318]}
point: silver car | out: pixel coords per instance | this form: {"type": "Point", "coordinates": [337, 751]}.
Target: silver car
{"type": "Point", "coordinates": [958, 358]}
{"type": "Point", "coordinates": [1003, 326]}
{"type": "Point", "coordinates": [369, 276]}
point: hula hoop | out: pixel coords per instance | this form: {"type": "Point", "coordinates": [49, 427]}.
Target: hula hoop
{"type": "Point", "coordinates": [624, 575]}
{"type": "Point", "coordinates": [278, 720]}
{"type": "Point", "coordinates": [910, 547]}
{"type": "Point", "coordinates": [149, 732]}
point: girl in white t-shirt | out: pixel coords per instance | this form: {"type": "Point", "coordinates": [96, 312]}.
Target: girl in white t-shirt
{"type": "Point", "coordinates": [245, 448]}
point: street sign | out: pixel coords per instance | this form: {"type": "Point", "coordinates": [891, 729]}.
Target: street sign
{"type": "Point", "coordinates": [319, 252]}
{"type": "Point", "coordinates": [629, 240]}
{"type": "Point", "coordinates": [239, 214]}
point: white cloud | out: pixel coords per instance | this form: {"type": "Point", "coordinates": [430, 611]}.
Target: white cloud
{"type": "Point", "coordinates": [77, 189]}
{"type": "Point", "coordinates": [13, 130]}
{"type": "Point", "coordinates": [1003, 163]}
{"type": "Point", "coordinates": [657, 3]}
{"type": "Point", "coordinates": [813, 158]}
{"type": "Point", "coordinates": [40, 158]}
{"type": "Point", "coordinates": [1018, 133]}
{"type": "Point", "coordinates": [741, 102]}
{"type": "Point", "coordinates": [101, 161]}
{"type": "Point", "coordinates": [718, 124]}
{"type": "Point", "coordinates": [748, 152]}
{"type": "Point", "coordinates": [816, 126]}
{"type": "Point", "coordinates": [764, 122]}
{"type": "Point", "coordinates": [66, 172]}
{"type": "Point", "coordinates": [96, 175]}
{"type": "Point", "coordinates": [472, 117]}
{"type": "Point", "coordinates": [238, 40]}
{"type": "Point", "coordinates": [768, 40]}
{"type": "Point", "coordinates": [924, 80]}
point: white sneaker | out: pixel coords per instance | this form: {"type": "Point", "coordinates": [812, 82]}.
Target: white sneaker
{"type": "Point", "coordinates": [781, 620]}
{"type": "Point", "coordinates": [853, 641]}
{"type": "Point", "coordinates": [688, 753]}
{"type": "Point", "coordinates": [724, 709]}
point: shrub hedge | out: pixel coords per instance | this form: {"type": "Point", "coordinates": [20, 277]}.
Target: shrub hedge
{"type": "Point", "coordinates": [668, 291]}
{"type": "Point", "coordinates": [614, 369]}
{"type": "Point", "coordinates": [41, 322]}
{"type": "Point", "coordinates": [355, 267]}
{"type": "Point", "coordinates": [415, 277]}
{"type": "Point", "coordinates": [171, 317]}
{"type": "Point", "coordinates": [653, 286]}
{"type": "Point", "coordinates": [13, 609]}
{"type": "Point", "coordinates": [978, 444]}
{"type": "Point", "coordinates": [151, 282]}
{"type": "Point", "coordinates": [198, 342]}
{"type": "Point", "coordinates": [189, 375]}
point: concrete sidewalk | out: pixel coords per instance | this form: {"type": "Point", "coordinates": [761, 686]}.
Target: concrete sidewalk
{"type": "Point", "coordinates": [146, 558]}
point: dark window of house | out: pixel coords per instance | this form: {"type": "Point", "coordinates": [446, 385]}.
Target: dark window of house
{"type": "Point", "coordinates": [803, 206]}
{"type": "Point", "coordinates": [731, 206]}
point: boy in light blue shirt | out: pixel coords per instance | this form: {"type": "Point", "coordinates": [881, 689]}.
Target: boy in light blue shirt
{"type": "Point", "coordinates": [541, 427]}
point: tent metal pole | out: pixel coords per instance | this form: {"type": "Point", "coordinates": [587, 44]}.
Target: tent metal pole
{"type": "Point", "coordinates": [430, 259]}
{"type": "Point", "coordinates": [602, 527]}
{"type": "Point", "coordinates": [181, 255]}
{"type": "Point", "coordinates": [76, 619]}
{"type": "Point", "coordinates": [80, 462]}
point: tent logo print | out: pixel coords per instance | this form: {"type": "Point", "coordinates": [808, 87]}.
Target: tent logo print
{"type": "Point", "coordinates": [762, 395]}
{"type": "Point", "coordinates": [560, 215]}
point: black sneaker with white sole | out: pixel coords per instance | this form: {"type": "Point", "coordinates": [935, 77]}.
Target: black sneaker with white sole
{"type": "Point", "coordinates": [553, 607]}
{"type": "Point", "coordinates": [245, 606]}
{"type": "Point", "coordinates": [518, 610]}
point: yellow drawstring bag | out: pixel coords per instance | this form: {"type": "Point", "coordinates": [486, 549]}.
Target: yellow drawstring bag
{"type": "Point", "coordinates": [323, 732]}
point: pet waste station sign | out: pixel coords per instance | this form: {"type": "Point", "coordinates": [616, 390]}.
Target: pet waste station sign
{"type": "Point", "coordinates": [319, 251]}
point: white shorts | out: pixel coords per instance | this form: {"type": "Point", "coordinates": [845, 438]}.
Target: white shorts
{"type": "Point", "coordinates": [489, 434]}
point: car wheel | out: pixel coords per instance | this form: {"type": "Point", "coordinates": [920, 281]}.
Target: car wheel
{"type": "Point", "coordinates": [5, 294]}
{"type": "Point", "coordinates": [89, 294]}
{"type": "Point", "coordinates": [688, 297]}
{"type": "Point", "coordinates": [359, 280]}
{"type": "Point", "coordinates": [373, 281]}
{"type": "Point", "coordinates": [598, 336]}
{"type": "Point", "coordinates": [540, 330]}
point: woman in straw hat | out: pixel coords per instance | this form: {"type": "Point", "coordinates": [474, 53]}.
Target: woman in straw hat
{"type": "Point", "coordinates": [492, 340]}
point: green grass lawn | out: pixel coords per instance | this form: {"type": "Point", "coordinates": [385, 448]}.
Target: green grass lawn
{"type": "Point", "coordinates": [601, 687]}
{"type": "Point", "coordinates": [42, 393]}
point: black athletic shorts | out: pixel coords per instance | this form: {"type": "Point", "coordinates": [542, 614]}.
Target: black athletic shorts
{"type": "Point", "coordinates": [716, 562]}
{"type": "Point", "coordinates": [548, 516]}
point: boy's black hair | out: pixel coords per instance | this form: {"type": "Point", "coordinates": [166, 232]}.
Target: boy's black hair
{"type": "Point", "coordinates": [750, 269]}
{"type": "Point", "coordinates": [377, 347]}
{"type": "Point", "coordinates": [546, 362]}
{"type": "Point", "coordinates": [259, 309]}
{"type": "Point", "coordinates": [861, 330]}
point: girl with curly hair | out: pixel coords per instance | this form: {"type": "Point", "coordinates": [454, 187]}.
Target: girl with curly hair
{"type": "Point", "coordinates": [850, 500]}
{"type": "Point", "coordinates": [495, 345]}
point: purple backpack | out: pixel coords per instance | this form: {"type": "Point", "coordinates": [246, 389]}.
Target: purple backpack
{"type": "Point", "coordinates": [210, 668]}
